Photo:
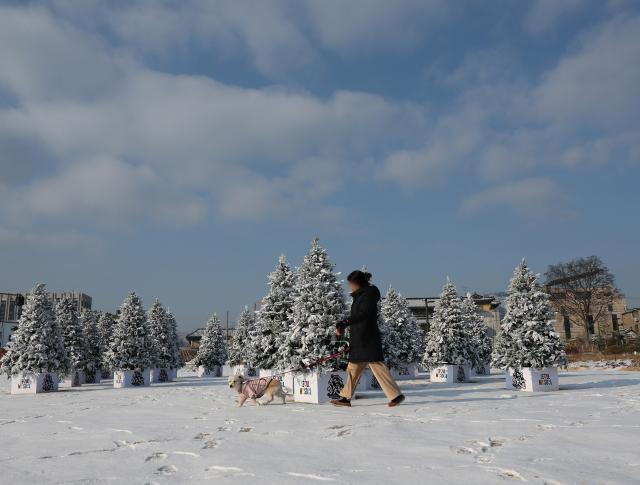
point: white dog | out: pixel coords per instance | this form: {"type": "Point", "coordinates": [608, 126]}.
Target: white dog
{"type": "Point", "coordinates": [256, 388]}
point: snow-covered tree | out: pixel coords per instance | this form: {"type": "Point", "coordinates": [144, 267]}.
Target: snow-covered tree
{"type": "Point", "coordinates": [448, 340]}
{"type": "Point", "coordinates": [160, 334]}
{"type": "Point", "coordinates": [477, 331]}
{"type": "Point", "coordinates": [272, 323]}
{"type": "Point", "coordinates": [176, 361]}
{"type": "Point", "coordinates": [75, 341]}
{"type": "Point", "coordinates": [131, 346]}
{"type": "Point", "coordinates": [241, 350]}
{"type": "Point", "coordinates": [397, 316]}
{"type": "Point", "coordinates": [319, 304]}
{"type": "Point", "coordinates": [37, 345]}
{"type": "Point", "coordinates": [106, 324]}
{"type": "Point", "coordinates": [212, 351]}
{"type": "Point", "coordinates": [94, 341]}
{"type": "Point", "coordinates": [527, 336]}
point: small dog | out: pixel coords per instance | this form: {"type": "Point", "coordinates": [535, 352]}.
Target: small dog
{"type": "Point", "coordinates": [256, 388]}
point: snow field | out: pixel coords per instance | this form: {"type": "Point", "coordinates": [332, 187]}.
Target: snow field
{"type": "Point", "coordinates": [189, 431]}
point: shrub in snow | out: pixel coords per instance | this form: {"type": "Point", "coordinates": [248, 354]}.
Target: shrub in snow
{"type": "Point", "coordinates": [73, 335]}
{"type": "Point", "coordinates": [397, 315]}
{"type": "Point", "coordinates": [212, 352]}
{"type": "Point", "coordinates": [160, 335]}
{"type": "Point", "coordinates": [131, 346]}
{"type": "Point", "coordinates": [273, 321]}
{"type": "Point", "coordinates": [318, 305]}
{"type": "Point", "coordinates": [477, 333]}
{"type": "Point", "coordinates": [175, 359]}
{"type": "Point", "coordinates": [37, 346]}
{"type": "Point", "coordinates": [241, 349]}
{"type": "Point", "coordinates": [527, 335]}
{"type": "Point", "coordinates": [94, 345]}
{"type": "Point", "coordinates": [448, 340]}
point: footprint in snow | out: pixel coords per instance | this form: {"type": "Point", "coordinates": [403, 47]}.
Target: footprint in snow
{"type": "Point", "coordinates": [167, 470]}
{"type": "Point", "coordinates": [156, 457]}
{"type": "Point", "coordinates": [201, 436]}
{"type": "Point", "coordinates": [210, 444]}
{"type": "Point", "coordinates": [224, 429]}
{"type": "Point", "coordinates": [245, 430]}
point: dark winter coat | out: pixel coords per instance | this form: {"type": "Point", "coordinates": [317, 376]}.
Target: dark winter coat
{"type": "Point", "coordinates": [364, 335]}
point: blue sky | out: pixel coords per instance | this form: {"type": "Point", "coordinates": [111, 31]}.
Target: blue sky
{"type": "Point", "coordinates": [178, 148]}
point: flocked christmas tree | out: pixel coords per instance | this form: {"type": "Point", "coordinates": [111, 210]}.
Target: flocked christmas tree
{"type": "Point", "coordinates": [94, 343]}
{"type": "Point", "coordinates": [319, 304]}
{"type": "Point", "coordinates": [106, 324]}
{"type": "Point", "coordinates": [175, 360]}
{"type": "Point", "coordinates": [527, 337]}
{"type": "Point", "coordinates": [272, 323]}
{"type": "Point", "coordinates": [160, 334]}
{"type": "Point", "coordinates": [131, 346]}
{"type": "Point", "coordinates": [448, 340]}
{"type": "Point", "coordinates": [211, 352]}
{"type": "Point", "coordinates": [241, 350]}
{"type": "Point", "coordinates": [37, 345]}
{"type": "Point", "coordinates": [397, 315]}
{"type": "Point", "coordinates": [73, 335]}
{"type": "Point", "coordinates": [477, 333]}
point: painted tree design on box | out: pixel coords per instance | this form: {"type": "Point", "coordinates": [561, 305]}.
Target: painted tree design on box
{"type": "Point", "coordinates": [90, 377]}
{"type": "Point", "coordinates": [335, 386]}
{"type": "Point", "coordinates": [374, 382]}
{"type": "Point", "coordinates": [76, 379]}
{"type": "Point", "coordinates": [47, 383]}
{"type": "Point", "coordinates": [104, 374]}
{"type": "Point", "coordinates": [162, 376]}
{"type": "Point", "coordinates": [218, 372]}
{"type": "Point", "coordinates": [480, 370]}
{"type": "Point", "coordinates": [517, 379]}
{"type": "Point", "coordinates": [251, 372]}
{"type": "Point", "coordinates": [137, 379]}
{"type": "Point", "coordinates": [461, 377]}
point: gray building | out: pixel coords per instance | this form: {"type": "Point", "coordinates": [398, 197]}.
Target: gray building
{"type": "Point", "coordinates": [10, 312]}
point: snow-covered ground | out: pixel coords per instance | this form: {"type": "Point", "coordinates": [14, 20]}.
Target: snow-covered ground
{"type": "Point", "coordinates": [189, 431]}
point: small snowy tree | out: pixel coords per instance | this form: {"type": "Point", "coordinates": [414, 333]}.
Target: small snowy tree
{"type": "Point", "coordinates": [160, 334]}
{"type": "Point", "coordinates": [73, 335]}
{"type": "Point", "coordinates": [319, 304]}
{"type": "Point", "coordinates": [212, 350]}
{"type": "Point", "coordinates": [176, 361]}
{"type": "Point", "coordinates": [94, 341]}
{"type": "Point", "coordinates": [527, 336]}
{"type": "Point", "coordinates": [477, 331]}
{"type": "Point", "coordinates": [131, 346]}
{"type": "Point", "coordinates": [37, 345]}
{"type": "Point", "coordinates": [448, 340]}
{"type": "Point", "coordinates": [273, 320]}
{"type": "Point", "coordinates": [397, 315]}
{"type": "Point", "coordinates": [240, 350]}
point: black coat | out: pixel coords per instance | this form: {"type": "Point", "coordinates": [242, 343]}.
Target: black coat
{"type": "Point", "coordinates": [364, 338]}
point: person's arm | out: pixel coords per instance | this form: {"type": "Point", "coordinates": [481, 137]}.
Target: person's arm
{"type": "Point", "coordinates": [366, 308]}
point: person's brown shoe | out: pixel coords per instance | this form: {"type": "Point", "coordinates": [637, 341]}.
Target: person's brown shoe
{"type": "Point", "coordinates": [396, 401]}
{"type": "Point", "coordinates": [341, 402]}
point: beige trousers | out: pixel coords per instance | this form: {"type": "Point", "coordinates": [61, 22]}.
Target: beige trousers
{"type": "Point", "coordinates": [379, 370]}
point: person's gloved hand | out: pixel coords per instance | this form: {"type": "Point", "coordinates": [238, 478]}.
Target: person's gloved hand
{"type": "Point", "coordinates": [340, 327]}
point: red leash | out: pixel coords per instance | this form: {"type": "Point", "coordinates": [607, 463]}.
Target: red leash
{"type": "Point", "coordinates": [303, 367]}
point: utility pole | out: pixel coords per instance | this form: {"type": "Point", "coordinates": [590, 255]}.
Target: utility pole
{"type": "Point", "coordinates": [226, 341]}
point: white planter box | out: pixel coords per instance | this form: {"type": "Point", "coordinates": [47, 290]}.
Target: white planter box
{"type": "Point", "coordinates": [75, 379]}
{"type": "Point", "coordinates": [92, 377]}
{"type": "Point", "coordinates": [484, 370]}
{"type": "Point", "coordinates": [132, 378]}
{"type": "Point", "coordinates": [246, 371]}
{"type": "Point", "coordinates": [215, 372]}
{"type": "Point", "coordinates": [422, 368]}
{"type": "Point", "coordinates": [286, 379]}
{"type": "Point", "coordinates": [368, 382]}
{"type": "Point", "coordinates": [174, 373]}
{"type": "Point", "coordinates": [406, 372]}
{"type": "Point", "coordinates": [451, 373]}
{"type": "Point", "coordinates": [310, 387]}
{"type": "Point", "coordinates": [161, 374]}
{"type": "Point", "coordinates": [32, 384]}
{"type": "Point", "coordinates": [532, 379]}
{"type": "Point", "coordinates": [106, 374]}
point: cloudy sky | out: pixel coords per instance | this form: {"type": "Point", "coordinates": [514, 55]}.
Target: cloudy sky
{"type": "Point", "coordinates": [177, 148]}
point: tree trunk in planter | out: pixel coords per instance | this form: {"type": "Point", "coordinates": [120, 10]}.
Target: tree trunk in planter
{"type": "Point", "coordinates": [482, 370]}
{"type": "Point", "coordinates": [313, 388]}
{"type": "Point", "coordinates": [92, 377]}
{"type": "Point", "coordinates": [451, 373]}
{"type": "Point", "coordinates": [75, 379]}
{"type": "Point", "coordinates": [33, 384]}
{"type": "Point", "coordinates": [131, 378]}
{"type": "Point", "coordinates": [161, 374]}
{"type": "Point", "coordinates": [532, 379]}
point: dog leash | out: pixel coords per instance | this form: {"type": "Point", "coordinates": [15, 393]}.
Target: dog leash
{"type": "Point", "coordinates": [300, 368]}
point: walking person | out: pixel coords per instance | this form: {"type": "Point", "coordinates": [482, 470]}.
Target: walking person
{"type": "Point", "coordinates": [365, 341]}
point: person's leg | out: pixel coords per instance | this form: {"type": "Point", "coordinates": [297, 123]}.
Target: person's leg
{"type": "Point", "coordinates": [354, 371]}
{"type": "Point", "coordinates": [385, 379]}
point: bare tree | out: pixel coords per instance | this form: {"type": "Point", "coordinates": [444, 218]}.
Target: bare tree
{"type": "Point", "coordinates": [584, 288]}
